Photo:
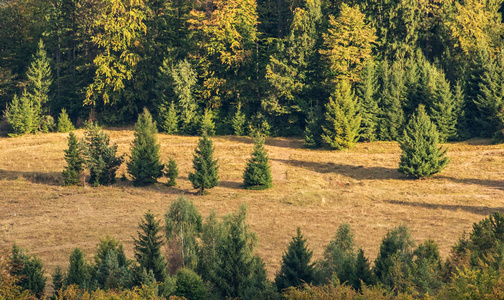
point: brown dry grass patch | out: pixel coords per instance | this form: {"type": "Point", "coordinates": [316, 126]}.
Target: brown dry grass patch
{"type": "Point", "coordinates": [315, 189]}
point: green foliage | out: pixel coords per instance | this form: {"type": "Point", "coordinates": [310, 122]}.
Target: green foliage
{"type": "Point", "coordinates": [148, 249]}
{"type": "Point", "coordinates": [296, 268]}
{"type": "Point", "coordinates": [341, 129]}
{"type": "Point", "coordinates": [75, 161]}
{"type": "Point", "coordinates": [171, 172]}
{"type": "Point", "coordinates": [392, 101]}
{"type": "Point", "coordinates": [313, 129]}
{"type": "Point", "coordinates": [444, 109]}
{"type": "Point", "coordinates": [257, 174]}
{"type": "Point", "coordinates": [64, 123]}
{"type": "Point", "coordinates": [79, 271]}
{"type": "Point", "coordinates": [29, 270]}
{"type": "Point", "coordinates": [238, 121]}
{"type": "Point", "coordinates": [112, 267]}
{"type": "Point", "coordinates": [39, 79]}
{"type": "Point", "coordinates": [47, 124]}
{"type": "Point", "coordinates": [183, 226]}
{"type": "Point", "coordinates": [363, 272]}
{"type": "Point", "coordinates": [395, 245]}
{"type": "Point", "coordinates": [58, 281]}
{"type": "Point", "coordinates": [207, 126]}
{"type": "Point", "coordinates": [367, 96]}
{"type": "Point", "coordinates": [23, 115]}
{"type": "Point", "coordinates": [184, 83]}
{"type": "Point", "coordinates": [421, 156]}
{"type": "Point", "coordinates": [190, 285]}
{"type": "Point", "coordinates": [206, 170]}
{"type": "Point", "coordinates": [169, 119]}
{"type": "Point", "coordinates": [339, 258]}
{"type": "Point", "coordinates": [490, 99]}
{"type": "Point", "coordinates": [145, 165]}
{"type": "Point", "coordinates": [236, 272]}
{"type": "Point", "coordinates": [101, 159]}
{"type": "Point", "coordinates": [211, 234]}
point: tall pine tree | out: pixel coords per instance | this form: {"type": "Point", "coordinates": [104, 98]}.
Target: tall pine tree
{"type": "Point", "coordinates": [341, 129]}
{"type": "Point", "coordinates": [145, 165]}
{"type": "Point", "coordinates": [148, 249]}
{"type": "Point", "coordinates": [296, 268]}
{"type": "Point", "coordinates": [206, 170]}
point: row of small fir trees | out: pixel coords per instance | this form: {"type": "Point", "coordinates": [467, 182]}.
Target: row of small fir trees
{"type": "Point", "coordinates": [145, 166]}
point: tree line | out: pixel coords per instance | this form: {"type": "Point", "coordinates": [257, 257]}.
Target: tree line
{"type": "Point", "coordinates": [313, 68]}
{"type": "Point", "coordinates": [214, 259]}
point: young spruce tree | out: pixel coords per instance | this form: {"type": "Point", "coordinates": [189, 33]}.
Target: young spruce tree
{"type": "Point", "coordinates": [206, 170]}
{"type": "Point", "coordinates": [148, 249]}
{"type": "Point", "coordinates": [207, 123]}
{"type": "Point", "coordinates": [341, 129]}
{"type": "Point", "coordinates": [22, 115]}
{"type": "Point", "coordinates": [296, 268]}
{"type": "Point", "coordinates": [169, 119]}
{"type": "Point", "coordinates": [145, 165]}
{"type": "Point", "coordinates": [171, 172]}
{"type": "Point", "coordinates": [101, 158]}
{"type": "Point", "coordinates": [64, 123]}
{"type": "Point", "coordinates": [421, 157]}
{"type": "Point", "coordinates": [75, 161]}
{"type": "Point", "coordinates": [29, 270]}
{"type": "Point", "coordinates": [257, 175]}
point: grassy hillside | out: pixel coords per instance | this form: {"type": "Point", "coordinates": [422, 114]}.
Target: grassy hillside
{"type": "Point", "coordinates": [314, 189]}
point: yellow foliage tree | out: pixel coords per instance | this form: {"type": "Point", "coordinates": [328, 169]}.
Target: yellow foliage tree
{"type": "Point", "coordinates": [347, 44]}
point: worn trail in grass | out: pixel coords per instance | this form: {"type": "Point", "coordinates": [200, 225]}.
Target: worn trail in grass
{"type": "Point", "coordinates": [315, 189]}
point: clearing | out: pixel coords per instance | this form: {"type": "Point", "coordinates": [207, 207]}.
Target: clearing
{"type": "Point", "coordinates": [315, 189]}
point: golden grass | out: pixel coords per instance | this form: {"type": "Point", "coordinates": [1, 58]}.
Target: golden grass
{"type": "Point", "coordinates": [315, 189]}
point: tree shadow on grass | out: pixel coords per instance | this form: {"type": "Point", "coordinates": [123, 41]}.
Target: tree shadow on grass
{"type": "Point", "coordinates": [497, 184]}
{"type": "Point", "coordinates": [50, 178]}
{"type": "Point", "coordinates": [479, 210]}
{"type": "Point", "coordinates": [357, 172]}
{"type": "Point", "coordinates": [274, 142]}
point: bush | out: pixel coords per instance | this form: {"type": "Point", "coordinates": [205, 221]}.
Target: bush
{"type": "Point", "coordinates": [190, 285]}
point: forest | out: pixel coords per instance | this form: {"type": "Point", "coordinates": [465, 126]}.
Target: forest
{"type": "Point", "coordinates": [286, 67]}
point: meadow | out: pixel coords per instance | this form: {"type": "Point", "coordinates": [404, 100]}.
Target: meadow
{"type": "Point", "coordinates": [316, 190]}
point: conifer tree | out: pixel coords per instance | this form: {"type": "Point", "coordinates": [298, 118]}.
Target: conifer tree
{"type": "Point", "coordinates": [341, 129]}
{"type": "Point", "coordinates": [101, 158]}
{"type": "Point", "coordinates": [339, 257]}
{"type": "Point", "coordinates": [40, 79]}
{"type": "Point", "coordinates": [184, 82]}
{"type": "Point", "coordinates": [169, 119]}
{"type": "Point", "coordinates": [183, 226]}
{"type": "Point", "coordinates": [22, 115]}
{"type": "Point", "coordinates": [207, 123]}
{"type": "Point", "coordinates": [397, 242]}
{"type": "Point", "coordinates": [444, 110]}
{"type": "Point", "coordinates": [421, 157]}
{"type": "Point", "coordinates": [312, 129]}
{"type": "Point", "coordinates": [112, 267]}
{"type": "Point", "coordinates": [148, 248]}
{"type": "Point", "coordinates": [79, 270]}
{"type": "Point", "coordinates": [29, 270]}
{"type": "Point", "coordinates": [368, 104]}
{"type": "Point", "coordinates": [145, 165]}
{"type": "Point", "coordinates": [296, 268]}
{"type": "Point", "coordinates": [238, 121]}
{"type": "Point", "coordinates": [236, 271]}
{"type": "Point", "coordinates": [58, 281]}
{"type": "Point", "coordinates": [363, 272]}
{"type": "Point", "coordinates": [393, 98]}
{"type": "Point", "coordinates": [206, 170]}
{"type": "Point", "coordinates": [64, 123]}
{"type": "Point", "coordinates": [171, 172]}
{"type": "Point", "coordinates": [75, 161]}
{"type": "Point", "coordinates": [257, 174]}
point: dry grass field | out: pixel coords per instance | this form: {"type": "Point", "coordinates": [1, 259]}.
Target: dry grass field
{"type": "Point", "coordinates": [315, 189]}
